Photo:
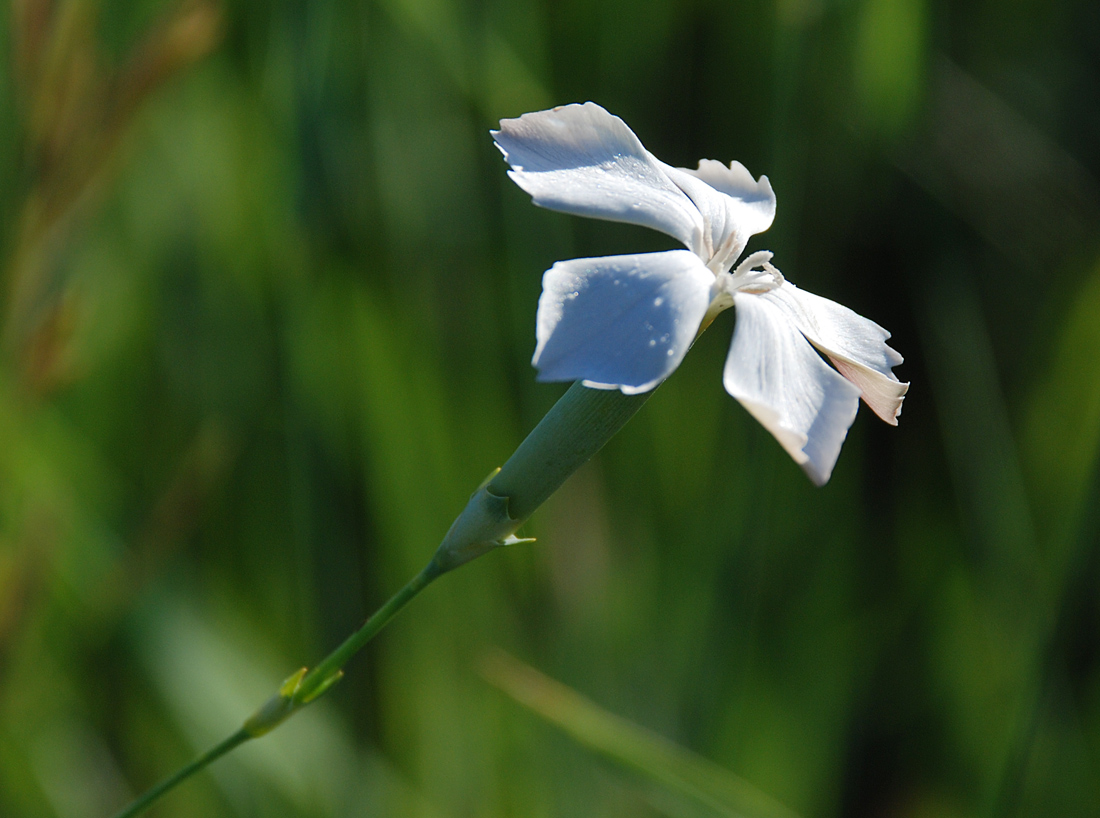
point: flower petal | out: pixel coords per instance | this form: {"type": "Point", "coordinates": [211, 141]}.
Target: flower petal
{"type": "Point", "coordinates": [779, 378]}
{"type": "Point", "coordinates": [856, 345]}
{"type": "Point", "coordinates": [580, 159]}
{"type": "Point", "coordinates": [620, 322]}
{"type": "Point", "coordinates": [734, 206]}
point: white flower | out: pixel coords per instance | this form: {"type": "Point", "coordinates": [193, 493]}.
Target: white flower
{"type": "Point", "coordinates": [626, 322]}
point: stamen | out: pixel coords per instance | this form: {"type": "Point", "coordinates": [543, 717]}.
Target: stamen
{"type": "Point", "coordinates": [746, 279]}
{"type": "Point", "coordinates": [752, 260]}
{"type": "Point", "coordinates": [724, 256]}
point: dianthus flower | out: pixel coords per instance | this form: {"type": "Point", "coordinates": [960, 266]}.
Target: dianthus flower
{"type": "Point", "coordinates": [626, 322]}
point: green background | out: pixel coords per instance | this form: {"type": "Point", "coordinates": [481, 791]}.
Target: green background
{"type": "Point", "coordinates": [268, 308]}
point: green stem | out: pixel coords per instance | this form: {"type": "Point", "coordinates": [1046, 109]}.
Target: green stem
{"type": "Point", "coordinates": [299, 691]}
{"type": "Point", "coordinates": [183, 773]}
{"type": "Point", "coordinates": [332, 663]}
{"type": "Point", "coordinates": [574, 429]}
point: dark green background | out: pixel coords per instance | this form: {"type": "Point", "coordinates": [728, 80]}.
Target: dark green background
{"type": "Point", "coordinates": [278, 327]}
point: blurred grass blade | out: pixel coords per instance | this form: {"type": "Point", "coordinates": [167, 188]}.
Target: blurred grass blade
{"type": "Point", "coordinates": [674, 769]}
{"type": "Point", "coordinates": [889, 58]}
{"type": "Point", "coordinates": [987, 163]}
{"type": "Point", "coordinates": [1061, 440]}
{"type": "Point", "coordinates": [183, 37]}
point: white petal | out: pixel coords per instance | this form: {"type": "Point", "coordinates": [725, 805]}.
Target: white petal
{"type": "Point", "coordinates": [582, 160]}
{"type": "Point", "coordinates": [620, 322]}
{"type": "Point", "coordinates": [856, 345]}
{"type": "Point", "coordinates": [779, 378]}
{"type": "Point", "coordinates": [734, 206]}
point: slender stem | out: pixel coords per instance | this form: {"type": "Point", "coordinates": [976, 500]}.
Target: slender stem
{"type": "Point", "coordinates": [311, 685]}
{"type": "Point", "coordinates": [354, 643]}
{"type": "Point", "coordinates": [183, 773]}
{"type": "Point", "coordinates": [573, 430]}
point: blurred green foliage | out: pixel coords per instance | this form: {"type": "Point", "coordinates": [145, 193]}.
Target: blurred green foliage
{"type": "Point", "coordinates": [267, 309]}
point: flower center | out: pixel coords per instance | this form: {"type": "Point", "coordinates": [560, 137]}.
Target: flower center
{"type": "Point", "coordinates": [746, 278]}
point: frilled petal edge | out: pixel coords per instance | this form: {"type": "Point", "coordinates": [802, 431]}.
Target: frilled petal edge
{"type": "Point", "coordinates": [620, 322]}
{"type": "Point", "coordinates": [580, 159]}
{"type": "Point", "coordinates": [734, 206]}
{"type": "Point", "coordinates": [856, 345]}
{"type": "Point", "coordinates": [779, 378]}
